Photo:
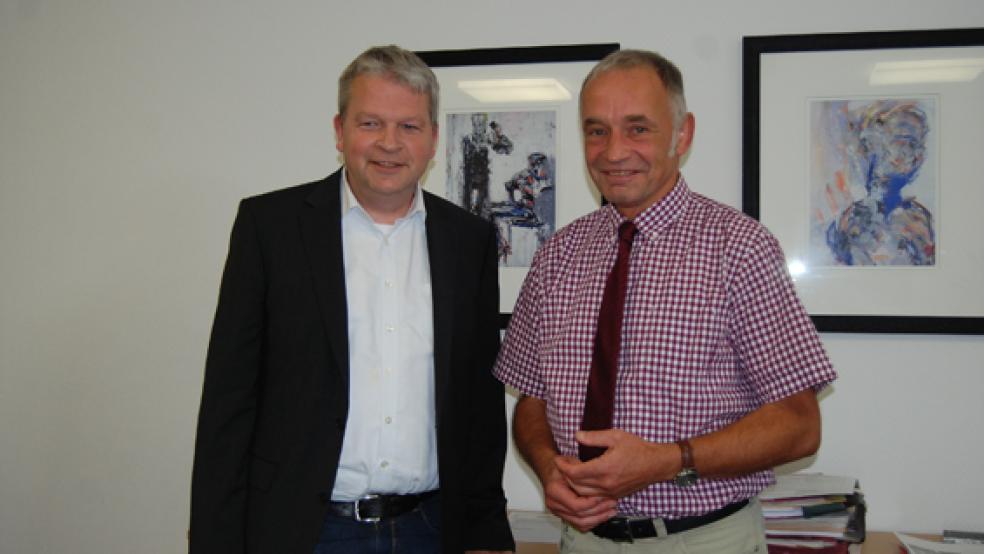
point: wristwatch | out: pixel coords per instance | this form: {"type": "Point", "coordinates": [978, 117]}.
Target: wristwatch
{"type": "Point", "coordinates": [688, 473]}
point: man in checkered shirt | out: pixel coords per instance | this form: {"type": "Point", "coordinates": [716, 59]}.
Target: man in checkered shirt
{"type": "Point", "coordinates": [719, 363]}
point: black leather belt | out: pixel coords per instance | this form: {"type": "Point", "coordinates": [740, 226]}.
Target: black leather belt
{"type": "Point", "coordinates": [623, 529]}
{"type": "Point", "coordinates": [372, 508]}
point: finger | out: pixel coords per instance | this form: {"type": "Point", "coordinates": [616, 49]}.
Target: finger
{"type": "Point", "coordinates": [584, 472]}
{"type": "Point", "coordinates": [573, 466]}
{"type": "Point", "coordinates": [560, 496]}
{"type": "Point", "coordinates": [568, 467]}
{"type": "Point", "coordinates": [565, 463]}
{"type": "Point", "coordinates": [585, 524]}
{"type": "Point", "coordinates": [605, 507]}
{"type": "Point", "coordinates": [596, 438]}
{"type": "Point", "coordinates": [565, 499]}
{"type": "Point", "coordinates": [586, 520]}
{"type": "Point", "coordinates": [590, 490]}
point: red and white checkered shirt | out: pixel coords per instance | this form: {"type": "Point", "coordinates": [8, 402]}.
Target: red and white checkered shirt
{"type": "Point", "coordinates": [712, 330]}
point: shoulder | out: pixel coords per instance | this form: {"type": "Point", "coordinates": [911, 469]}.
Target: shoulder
{"type": "Point", "coordinates": [733, 225]}
{"type": "Point", "coordinates": [572, 238]}
{"type": "Point", "coordinates": [446, 212]}
{"type": "Point", "coordinates": [290, 198]}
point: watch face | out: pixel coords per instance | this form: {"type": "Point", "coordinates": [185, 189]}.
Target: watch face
{"type": "Point", "coordinates": [686, 478]}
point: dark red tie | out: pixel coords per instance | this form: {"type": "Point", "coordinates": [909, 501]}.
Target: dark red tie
{"type": "Point", "coordinates": [600, 400]}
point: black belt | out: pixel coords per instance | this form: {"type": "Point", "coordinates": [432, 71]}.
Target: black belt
{"type": "Point", "coordinates": [623, 529]}
{"type": "Point", "coordinates": [375, 507]}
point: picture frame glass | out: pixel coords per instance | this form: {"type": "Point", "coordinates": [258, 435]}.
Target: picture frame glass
{"type": "Point", "coordinates": [869, 168]}
{"type": "Point", "coordinates": [515, 158]}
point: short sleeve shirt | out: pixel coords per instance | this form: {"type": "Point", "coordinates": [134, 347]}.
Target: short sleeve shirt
{"type": "Point", "coordinates": [712, 330]}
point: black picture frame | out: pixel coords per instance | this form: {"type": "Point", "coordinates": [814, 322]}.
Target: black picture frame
{"type": "Point", "coordinates": [490, 62]}
{"type": "Point", "coordinates": [754, 49]}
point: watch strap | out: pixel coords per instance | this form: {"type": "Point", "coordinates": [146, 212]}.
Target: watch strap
{"type": "Point", "coordinates": [686, 454]}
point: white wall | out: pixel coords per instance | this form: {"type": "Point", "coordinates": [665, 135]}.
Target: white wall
{"type": "Point", "coordinates": [128, 131]}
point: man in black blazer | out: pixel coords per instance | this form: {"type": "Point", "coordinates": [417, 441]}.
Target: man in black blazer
{"type": "Point", "coordinates": [301, 400]}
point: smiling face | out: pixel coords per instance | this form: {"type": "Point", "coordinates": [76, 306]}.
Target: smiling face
{"type": "Point", "coordinates": [387, 139]}
{"type": "Point", "coordinates": [631, 148]}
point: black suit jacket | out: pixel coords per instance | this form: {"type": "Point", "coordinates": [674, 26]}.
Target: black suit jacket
{"type": "Point", "coordinates": [275, 399]}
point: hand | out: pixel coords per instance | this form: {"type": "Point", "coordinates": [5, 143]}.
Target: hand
{"type": "Point", "coordinates": [629, 464]}
{"type": "Point", "coordinates": [583, 512]}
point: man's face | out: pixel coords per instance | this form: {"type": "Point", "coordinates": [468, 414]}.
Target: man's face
{"type": "Point", "coordinates": [387, 139]}
{"type": "Point", "coordinates": [629, 138]}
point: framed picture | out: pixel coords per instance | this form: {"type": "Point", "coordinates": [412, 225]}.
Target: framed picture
{"type": "Point", "coordinates": [862, 155]}
{"type": "Point", "coordinates": [510, 147]}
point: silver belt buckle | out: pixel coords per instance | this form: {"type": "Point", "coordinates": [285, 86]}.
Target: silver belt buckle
{"type": "Point", "coordinates": [358, 514]}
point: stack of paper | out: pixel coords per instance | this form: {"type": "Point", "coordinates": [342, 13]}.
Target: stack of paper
{"type": "Point", "coordinates": [915, 545]}
{"type": "Point", "coordinates": [813, 513]}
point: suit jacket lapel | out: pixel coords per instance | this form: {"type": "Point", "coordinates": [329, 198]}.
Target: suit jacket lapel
{"type": "Point", "coordinates": [321, 231]}
{"type": "Point", "coordinates": [440, 251]}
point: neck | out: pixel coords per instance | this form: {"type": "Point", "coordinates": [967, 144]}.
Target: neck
{"type": "Point", "coordinates": [389, 213]}
{"type": "Point", "coordinates": [383, 208]}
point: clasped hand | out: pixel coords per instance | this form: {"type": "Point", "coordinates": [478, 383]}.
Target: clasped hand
{"type": "Point", "coordinates": [585, 493]}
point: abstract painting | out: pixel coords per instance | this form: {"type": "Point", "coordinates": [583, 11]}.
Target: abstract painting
{"type": "Point", "coordinates": [502, 166]}
{"type": "Point", "coordinates": [873, 182]}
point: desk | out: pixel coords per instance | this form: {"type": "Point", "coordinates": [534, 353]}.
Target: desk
{"type": "Point", "coordinates": [880, 542]}
{"type": "Point", "coordinates": [884, 542]}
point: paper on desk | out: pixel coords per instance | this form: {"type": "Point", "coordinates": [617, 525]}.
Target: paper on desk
{"type": "Point", "coordinates": [919, 546]}
{"type": "Point", "coordinates": [796, 485]}
{"type": "Point", "coordinates": [832, 526]}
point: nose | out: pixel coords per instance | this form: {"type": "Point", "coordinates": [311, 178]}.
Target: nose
{"type": "Point", "coordinates": [388, 139]}
{"type": "Point", "coordinates": [616, 149]}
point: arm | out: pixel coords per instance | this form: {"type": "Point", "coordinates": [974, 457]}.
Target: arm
{"type": "Point", "coordinates": [535, 441]}
{"type": "Point", "coordinates": [774, 434]}
{"type": "Point", "coordinates": [781, 357]}
{"type": "Point", "coordinates": [488, 527]}
{"type": "Point", "coordinates": [228, 406]}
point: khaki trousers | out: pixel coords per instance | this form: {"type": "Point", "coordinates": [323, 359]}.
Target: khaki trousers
{"type": "Point", "coordinates": [742, 532]}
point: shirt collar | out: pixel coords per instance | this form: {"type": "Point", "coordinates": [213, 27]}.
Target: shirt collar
{"type": "Point", "coordinates": [654, 219]}
{"type": "Point", "coordinates": [350, 202]}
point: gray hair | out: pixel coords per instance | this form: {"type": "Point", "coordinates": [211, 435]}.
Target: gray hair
{"type": "Point", "coordinates": [668, 73]}
{"type": "Point", "coordinates": [392, 62]}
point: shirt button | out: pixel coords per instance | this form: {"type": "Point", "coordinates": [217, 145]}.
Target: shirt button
{"type": "Point", "coordinates": [389, 419]}
{"type": "Point", "coordinates": [388, 283]}
{"type": "Point", "coordinates": [390, 328]}
{"type": "Point", "coordinates": [384, 464]}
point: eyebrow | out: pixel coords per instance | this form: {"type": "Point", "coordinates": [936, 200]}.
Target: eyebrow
{"type": "Point", "coordinates": [378, 115]}
{"type": "Point", "coordinates": [633, 118]}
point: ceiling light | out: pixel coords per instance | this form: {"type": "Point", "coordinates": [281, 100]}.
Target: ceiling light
{"type": "Point", "coordinates": [498, 91]}
{"type": "Point", "coordinates": [926, 71]}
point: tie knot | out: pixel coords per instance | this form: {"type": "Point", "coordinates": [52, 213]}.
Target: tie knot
{"type": "Point", "coordinates": [627, 231]}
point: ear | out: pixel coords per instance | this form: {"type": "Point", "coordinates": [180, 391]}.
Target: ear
{"type": "Point", "coordinates": [685, 135]}
{"type": "Point", "coordinates": [434, 136]}
{"type": "Point", "coordinates": [338, 132]}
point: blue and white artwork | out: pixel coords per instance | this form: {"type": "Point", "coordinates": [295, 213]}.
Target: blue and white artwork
{"type": "Point", "coordinates": [502, 166]}
{"type": "Point", "coordinates": [874, 189]}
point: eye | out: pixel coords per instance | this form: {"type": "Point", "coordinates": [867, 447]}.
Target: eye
{"type": "Point", "coordinates": [638, 129]}
{"type": "Point", "coordinates": [594, 132]}
{"type": "Point", "coordinates": [369, 124]}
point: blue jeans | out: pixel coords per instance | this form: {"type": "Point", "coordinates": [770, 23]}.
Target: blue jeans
{"type": "Point", "coordinates": [415, 532]}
